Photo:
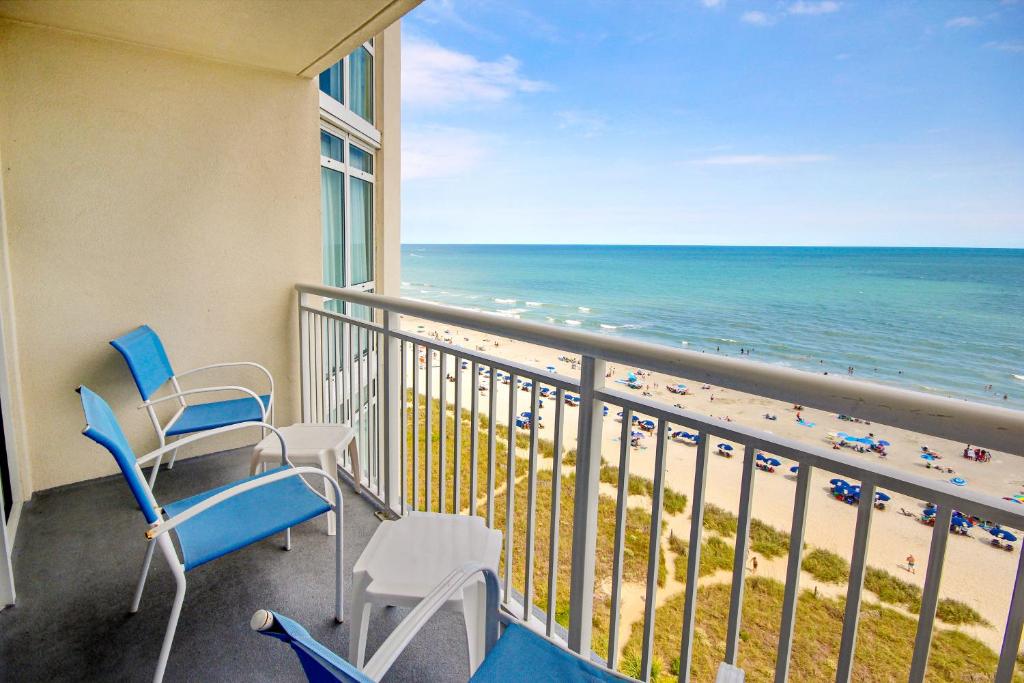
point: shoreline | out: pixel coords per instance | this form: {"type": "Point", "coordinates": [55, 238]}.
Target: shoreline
{"type": "Point", "coordinates": [982, 577]}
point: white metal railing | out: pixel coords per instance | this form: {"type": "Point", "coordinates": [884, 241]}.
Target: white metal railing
{"type": "Point", "coordinates": [342, 356]}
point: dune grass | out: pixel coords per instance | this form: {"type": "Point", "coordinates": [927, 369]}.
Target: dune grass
{"type": "Point", "coordinates": [893, 590]}
{"type": "Point", "coordinates": [884, 645]}
{"type": "Point", "coordinates": [673, 502]}
{"type": "Point", "coordinates": [719, 520]}
{"type": "Point", "coordinates": [826, 566]}
{"type": "Point", "coordinates": [715, 555]}
{"type": "Point", "coordinates": [956, 612]}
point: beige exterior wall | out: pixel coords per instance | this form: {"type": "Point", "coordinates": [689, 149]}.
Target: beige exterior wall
{"type": "Point", "coordinates": [388, 180]}
{"type": "Point", "coordinates": [144, 186]}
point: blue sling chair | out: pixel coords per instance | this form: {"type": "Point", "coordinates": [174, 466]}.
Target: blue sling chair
{"type": "Point", "coordinates": [217, 522]}
{"type": "Point", "coordinates": [151, 369]}
{"type": "Point", "coordinates": [518, 655]}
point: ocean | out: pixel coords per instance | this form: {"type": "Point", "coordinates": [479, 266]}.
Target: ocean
{"type": "Point", "coordinates": [944, 321]}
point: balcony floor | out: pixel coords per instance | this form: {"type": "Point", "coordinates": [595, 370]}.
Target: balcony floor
{"type": "Point", "coordinates": [77, 558]}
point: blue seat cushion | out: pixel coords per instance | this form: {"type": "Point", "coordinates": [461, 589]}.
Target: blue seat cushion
{"type": "Point", "coordinates": [203, 416]}
{"type": "Point", "coordinates": [244, 519]}
{"type": "Point", "coordinates": [522, 655]}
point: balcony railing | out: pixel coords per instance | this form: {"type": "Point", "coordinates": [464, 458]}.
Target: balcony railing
{"type": "Point", "coordinates": [359, 367]}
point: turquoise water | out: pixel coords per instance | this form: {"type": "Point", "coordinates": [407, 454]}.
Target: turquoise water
{"type": "Point", "coordinates": [946, 321]}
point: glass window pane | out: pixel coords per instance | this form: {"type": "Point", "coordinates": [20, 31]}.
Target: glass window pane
{"type": "Point", "coordinates": [332, 190]}
{"type": "Point", "coordinates": [331, 81]}
{"type": "Point", "coordinates": [331, 146]}
{"type": "Point", "coordinates": [361, 247]}
{"type": "Point", "coordinates": [360, 159]}
{"type": "Point", "coordinates": [360, 75]}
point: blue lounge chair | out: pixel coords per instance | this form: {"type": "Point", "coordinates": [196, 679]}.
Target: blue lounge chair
{"type": "Point", "coordinates": [519, 655]}
{"type": "Point", "coordinates": [216, 522]}
{"type": "Point", "coordinates": [151, 369]}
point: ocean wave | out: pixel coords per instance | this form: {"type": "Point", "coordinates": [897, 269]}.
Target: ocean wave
{"type": "Point", "coordinates": [684, 342]}
{"type": "Point", "coordinates": [549, 318]}
{"type": "Point", "coordinates": [1020, 377]}
{"type": "Point", "coordinates": [724, 339]}
{"type": "Point", "coordinates": [534, 303]}
{"type": "Point", "coordinates": [504, 301]}
{"type": "Point", "coordinates": [583, 309]}
{"type": "Point", "coordinates": [415, 255]}
{"type": "Point", "coordinates": [609, 327]}
{"type": "Point", "coordinates": [511, 310]}
{"type": "Point", "coordinates": [407, 284]}
{"type": "Point", "coordinates": [506, 314]}
{"type": "Point", "coordinates": [574, 323]}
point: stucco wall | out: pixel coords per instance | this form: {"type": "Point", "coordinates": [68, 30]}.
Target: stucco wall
{"type": "Point", "coordinates": [143, 186]}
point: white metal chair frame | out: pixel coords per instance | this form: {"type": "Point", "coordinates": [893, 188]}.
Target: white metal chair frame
{"type": "Point", "coordinates": [266, 412]}
{"type": "Point", "coordinates": [156, 534]}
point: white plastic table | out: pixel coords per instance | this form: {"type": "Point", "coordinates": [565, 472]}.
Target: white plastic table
{"type": "Point", "coordinates": [407, 558]}
{"type": "Point", "coordinates": [320, 445]}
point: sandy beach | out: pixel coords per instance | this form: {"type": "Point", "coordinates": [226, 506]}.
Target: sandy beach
{"type": "Point", "coordinates": [975, 572]}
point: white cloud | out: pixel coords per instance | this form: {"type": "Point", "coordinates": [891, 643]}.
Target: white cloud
{"type": "Point", "coordinates": [809, 7]}
{"type": "Point", "coordinates": [762, 159]}
{"type": "Point", "coordinates": [434, 76]}
{"type": "Point", "coordinates": [441, 152]}
{"type": "Point", "coordinates": [756, 18]}
{"type": "Point", "coordinates": [712, 3]}
{"type": "Point", "coordinates": [1006, 46]}
{"type": "Point", "coordinates": [962, 22]}
{"type": "Point", "coordinates": [587, 123]}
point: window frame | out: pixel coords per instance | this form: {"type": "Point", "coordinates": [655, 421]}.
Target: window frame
{"type": "Point", "coordinates": [348, 172]}
{"type": "Point", "coordinates": [339, 114]}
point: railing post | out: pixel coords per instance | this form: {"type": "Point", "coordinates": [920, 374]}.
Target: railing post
{"type": "Point", "coordinates": [584, 532]}
{"type": "Point", "coordinates": [391, 422]}
{"type": "Point", "coordinates": [304, 356]}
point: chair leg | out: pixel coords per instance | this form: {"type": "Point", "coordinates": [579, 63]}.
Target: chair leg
{"type": "Point", "coordinates": [170, 463]}
{"type": "Point", "coordinates": [179, 598]}
{"type": "Point", "coordinates": [329, 464]}
{"type": "Point", "coordinates": [339, 566]}
{"type": "Point", "coordinates": [474, 611]}
{"type": "Point", "coordinates": [150, 547]}
{"type": "Point", "coordinates": [288, 538]}
{"type": "Point", "coordinates": [360, 626]}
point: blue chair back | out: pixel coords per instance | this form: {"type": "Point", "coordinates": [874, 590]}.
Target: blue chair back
{"type": "Point", "coordinates": [146, 358]}
{"type": "Point", "coordinates": [102, 427]}
{"type": "Point", "coordinates": [318, 663]}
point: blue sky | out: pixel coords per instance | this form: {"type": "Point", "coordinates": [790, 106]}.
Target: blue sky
{"type": "Point", "coordinates": [844, 122]}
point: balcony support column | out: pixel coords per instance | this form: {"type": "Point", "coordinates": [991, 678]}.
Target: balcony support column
{"type": "Point", "coordinates": [391, 441]}
{"type": "Point", "coordinates": [584, 533]}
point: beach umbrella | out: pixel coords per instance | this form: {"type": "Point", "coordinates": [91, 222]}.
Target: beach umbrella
{"type": "Point", "coordinates": [637, 434]}
{"type": "Point", "coordinates": [927, 456]}
{"type": "Point", "coordinates": [758, 456]}
{"type": "Point", "coordinates": [882, 496]}
{"type": "Point", "coordinates": [842, 490]}
{"type": "Point", "coordinates": [883, 442]}
{"type": "Point", "coordinates": [619, 414]}
{"type": "Point", "coordinates": [1003, 534]}
{"type": "Point", "coordinates": [929, 512]}
{"type": "Point", "coordinates": [958, 481]}
{"type": "Point", "coordinates": [961, 521]}
{"type": "Point", "coordinates": [838, 482]}
{"type": "Point", "coordinates": [631, 377]}
{"type": "Point", "coordinates": [772, 462]}
{"type": "Point", "coordinates": [725, 447]}
{"type": "Point", "coordinates": [604, 410]}
{"type": "Point", "coordinates": [635, 418]}
{"type": "Point", "coordinates": [680, 386]}
{"type": "Point", "coordinates": [794, 468]}
{"type": "Point", "coordinates": [649, 424]}
{"type": "Point", "coordinates": [551, 368]}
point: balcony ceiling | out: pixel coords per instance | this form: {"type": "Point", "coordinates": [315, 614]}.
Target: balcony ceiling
{"type": "Point", "coordinates": [300, 38]}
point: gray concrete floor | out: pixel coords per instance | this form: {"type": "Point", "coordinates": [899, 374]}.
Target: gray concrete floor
{"type": "Point", "coordinates": [77, 557]}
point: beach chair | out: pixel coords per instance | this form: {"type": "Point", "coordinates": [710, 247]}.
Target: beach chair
{"type": "Point", "coordinates": [520, 654]}
{"type": "Point", "coordinates": [216, 522]}
{"type": "Point", "coordinates": [151, 369]}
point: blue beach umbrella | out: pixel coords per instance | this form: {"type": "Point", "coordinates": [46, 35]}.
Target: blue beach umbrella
{"type": "Point", "coordinates": [958, 481]}
{"type": "Point", "coordinates": [961, 522]}
{"type": "Point", "coordinates": [635, 418]}
{"type": "Point", "coordinates": [604, 410]}
{"type": "Point", "coordinates": [883, 442]}
{"type": "Point", "coordinates": [838, 482]}
{"type": "Point", "coordinates": [649, 424]}
{"type": "Point", "coordinates": [794, 468]}
{"type": "Point", "coordinates": [929, 512]}
{"type": "Point", "coordinates": [882, 496]}
{"type": "Point", "coordinates": [725, 447]}
{"type": "Point", "coordinates": [1003, 534]}
{"type": "Point", "coordinates": [772, 462]}
{"type": "Point", "coordinates": [551, 368]}
{"type": "Point", "coordinates": [635, 433]}
{"type": "Point", "coordinates": [927, 456]}
{"type": "Point", "coordinates": [631, 377]}
{"type": "Point", "coordinates": [758, 456]}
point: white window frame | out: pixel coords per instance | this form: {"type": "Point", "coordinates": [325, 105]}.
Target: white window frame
{"type": "Point", "coordinates": [348, 139]}
{"type": "Point", "coordinates": [339, 114]}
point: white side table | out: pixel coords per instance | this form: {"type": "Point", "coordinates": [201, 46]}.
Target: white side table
{"type": "Point", "coordinates": [320, 445]}
{"type": "Point", "coordinates": [407, 558]}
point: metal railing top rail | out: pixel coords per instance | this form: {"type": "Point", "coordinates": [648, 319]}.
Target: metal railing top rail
{"type": "Point", "coordinates": [992, 427]}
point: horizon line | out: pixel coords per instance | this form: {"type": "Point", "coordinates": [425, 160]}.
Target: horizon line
{"type": "Point", "coordinates": [729, 246]}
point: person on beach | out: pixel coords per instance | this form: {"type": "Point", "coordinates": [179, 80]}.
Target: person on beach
{"type": "Point", "coordinates": [910, 564]}
{"type": "Point", "coordinates": [753, 564]}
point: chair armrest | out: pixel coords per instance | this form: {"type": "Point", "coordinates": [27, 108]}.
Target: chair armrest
{"type": "Point", "coordinates": [270, 378]}
{"type": "Point", "coordinates": [207, 390]}
{"type": "Point", "coordinates": [162, 527]}
{"type": "Point", "coordinates": [391, 648]}
{"type": "Point", "coordinates": [192, 438]}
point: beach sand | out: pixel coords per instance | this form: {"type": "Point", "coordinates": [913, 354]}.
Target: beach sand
{"type": "Point", "coordinates": [974, 572]}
